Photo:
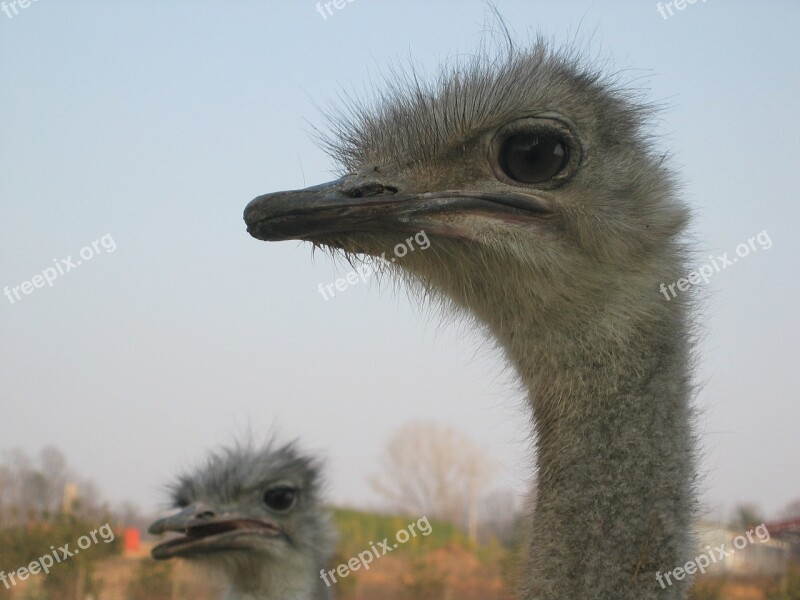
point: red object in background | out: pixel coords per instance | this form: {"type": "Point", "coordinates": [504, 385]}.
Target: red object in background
{"type": "Point", "coordinates": [131, 540]}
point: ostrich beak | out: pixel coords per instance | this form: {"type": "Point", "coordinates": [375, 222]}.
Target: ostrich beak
{"type": "Point", "coordinates": [203, 531]}
{"type": "Point", "coordinates": [359, 203]}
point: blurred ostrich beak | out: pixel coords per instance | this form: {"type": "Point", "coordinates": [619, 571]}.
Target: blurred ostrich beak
{"type": "Point", "coordinates": [203, 530]}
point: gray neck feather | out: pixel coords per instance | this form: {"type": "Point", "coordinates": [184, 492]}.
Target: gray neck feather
{"type": "Point", "coordinates": [255, 579]}
{"type": "Point", "coordinates": [610, 399]}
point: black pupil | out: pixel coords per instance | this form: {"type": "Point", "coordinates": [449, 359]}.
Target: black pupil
{"type": "Point", "coordinates": [533, 158]}
{"type": "Point", "coordinates": [279, 498]}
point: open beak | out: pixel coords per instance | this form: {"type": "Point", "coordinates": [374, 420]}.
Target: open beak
{"type": "Point", "coordinates": [366, 203]}
{"type": "Point", "coordinates": [202, 531]}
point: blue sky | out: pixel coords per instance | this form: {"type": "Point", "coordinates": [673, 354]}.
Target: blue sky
{"type": "Point", "coordinates": [155, 123]}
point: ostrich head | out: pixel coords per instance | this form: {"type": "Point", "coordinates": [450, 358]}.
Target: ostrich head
{"type": "Point", "coordinates": [530, 173]}
{"type": "Point", "coordinates": [551, 221]}
{"type": "Point", "coordinates": [256, 516]}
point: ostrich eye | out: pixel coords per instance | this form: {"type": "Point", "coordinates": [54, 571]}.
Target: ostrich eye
{"type": "Point", "coordinates": [531, 157]}
{"type": "Point", "coordinates": [280, 498]}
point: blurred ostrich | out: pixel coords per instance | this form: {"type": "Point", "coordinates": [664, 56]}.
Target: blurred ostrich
{"type": "Point", "coordinates": [552, 223]}
{"type": "Point", "coordinates": [255, 516]}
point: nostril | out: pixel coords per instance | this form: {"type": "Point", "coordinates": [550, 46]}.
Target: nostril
{"type": "Point", "coordinates": [206, 514]}
{"type": "Point", "coordinates": [369, 189]}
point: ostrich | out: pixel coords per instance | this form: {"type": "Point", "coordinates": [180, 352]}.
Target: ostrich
{"type": "Point", "coordinates": [255, 516]}
{"type": "Point", "coordinates": [552, 223]}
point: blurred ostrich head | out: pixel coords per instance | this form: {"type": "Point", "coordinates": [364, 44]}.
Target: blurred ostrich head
{"type": "Point", "coordinates": [255, 515]}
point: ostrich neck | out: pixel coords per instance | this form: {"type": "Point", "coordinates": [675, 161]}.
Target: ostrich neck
{"type": "Point", "coordinates": [258, 578]}
{"type": "Point", "coordinates": [610, 405]}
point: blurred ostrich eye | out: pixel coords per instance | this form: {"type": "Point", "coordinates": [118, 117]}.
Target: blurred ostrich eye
{"type": "Point", "coordinates": [531, 157]}
{"type": "Point", "coordinates": [280, 498]}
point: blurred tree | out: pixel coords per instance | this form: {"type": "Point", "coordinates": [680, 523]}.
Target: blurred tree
{"type": "Point", "coordinates": [37, 516]}
{"type": "Point", "coordinates": [56, 474]}
{"type": "Point", "coordinates": [792, 510]}
{"type": "Point", "coordinates": [33, 491]}
{"type": "Point", "coordinates": [129, 515]}
{"type": "Point", "coordinates": [499, 513]}
{"type": "Point", "coordinates": [151, 581]}
{"type": "Point", "coordinates": [435, 471]}
{"type": "Point", "coordinates": [746, 515]}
